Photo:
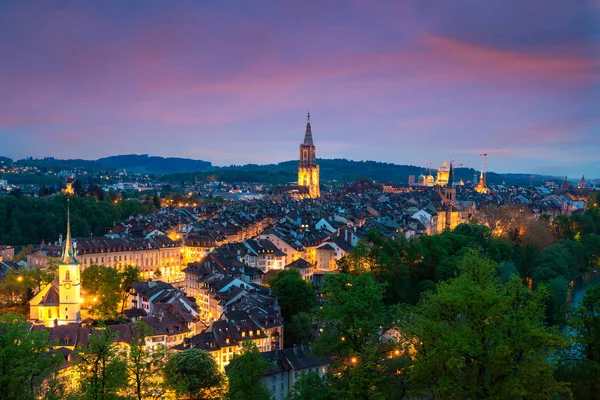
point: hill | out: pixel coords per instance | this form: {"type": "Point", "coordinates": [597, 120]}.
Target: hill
{"type": "Point", "coordinates": [340, 170]}
{"type": "Point", "coordinates": [142, 163]}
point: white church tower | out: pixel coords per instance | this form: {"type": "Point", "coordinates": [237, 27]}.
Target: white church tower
{"type": "Point", "coordinates": [69, 281]}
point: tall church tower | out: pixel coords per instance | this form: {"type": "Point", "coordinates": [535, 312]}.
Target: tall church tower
{"type": "Point", "coordinates": [308, 170]}
{"type": "Point", "coordinates": [69, 282]}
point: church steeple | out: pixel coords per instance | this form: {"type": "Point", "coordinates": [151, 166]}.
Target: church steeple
{"type": "Point", "coordinates": [68, 256]}
{"type": "Point", "coordinates": [308, 170]}
{"type": "Point", "coordinates": [451, 174]}
{"type": "Point", "coordinates": [308, 139]}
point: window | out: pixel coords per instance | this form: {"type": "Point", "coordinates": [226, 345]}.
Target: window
{"type": "Point", "coordinates": [68, 275]}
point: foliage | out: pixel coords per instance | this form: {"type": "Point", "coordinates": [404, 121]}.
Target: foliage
{"type": "Point", "coordinates": [479, 338]}
{"type": "Point", "coordinates": [352, 313]}
{"type": "Point", "coordinates": [245, 372]}
{"type": "Point", "coordinates": [30, 220]}
{"type": "Point", "coordinates": [580, 365]}
{"type": "Point", "coordinates": [293, 293]}
{"type": "Point", "coordinates": [108, 286]}
{"type": "Point", "coordinates": [299, 330]}
{"type": "Point", "coordinates": [193, 373]}
{"type": "Point", "coordinates": [144, 364]}
{"type": "Point", "coordinates": [24, 358]}
{"type": "Point", "coordinates": [310, 386]}
{"type": "Point", "coordinates": [102, 369]}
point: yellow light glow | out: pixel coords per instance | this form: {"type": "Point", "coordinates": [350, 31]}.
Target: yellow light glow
{"type": "Point", "coordinates": [80, 300]}
{"type": "Point", "coordinates": [354, 360]}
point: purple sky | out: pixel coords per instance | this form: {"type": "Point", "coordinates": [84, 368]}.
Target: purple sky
{"type": "Point", "coordinates": [403, 81]}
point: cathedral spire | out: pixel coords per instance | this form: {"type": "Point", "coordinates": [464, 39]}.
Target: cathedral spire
{"type": "Point", "coordinates": [308, 139]}
{"type": "Point", "coordinates": [68, 256]}
{"type": "Point", "coordinates": [451, 174]}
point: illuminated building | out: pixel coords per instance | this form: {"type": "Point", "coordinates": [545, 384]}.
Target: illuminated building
{"type": "Point", "coordinates": [582, 182]}
{"type": "Point", "coordinates": [69, 190]}
{"type": "Point", "coordinates": [442, 174]}
{"type": "Point", "coordinates": [426, 180]}
{"type": "Point", "coordinates": [59, 302]}
{"type": "Point", "coordinates": [481, 188]}
{"type": "Point", "coordinates": [308, 170]}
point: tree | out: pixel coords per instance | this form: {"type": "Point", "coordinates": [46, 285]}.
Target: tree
{"type": "Point", "coordinates": [102, 369]}
{"type": "Point", "coordinates": [299, 330]}
{"type": "Point", "coordinates": [157, 273]}
{"type": "Point", "coordinates": [144, 363]}
{"type": "Point", "coordinates": [553, 262]}
{"type": "Point", "coordinates": [129, 275]}
{"type": "Point", "coordinates": [24, 358]}
{"type": "Point", "coordinates": [245, 372]}
{"type": "Point", "coordinates": [479, 338]}
{"type": "Point", "coordinates": [193, 373]}
{"type": "Point", "coordinates": [352, 313]}
{"type": "Point", "coordinates": [580, 364]}
{"type": "Point", "coordinates": [109, 286]}
{"type": "Point", "coordinates": [293, 293]}
{"type": "Point", "coordinates": [310, 386]}
{"type": "Point", "coordinates": [156, 201]}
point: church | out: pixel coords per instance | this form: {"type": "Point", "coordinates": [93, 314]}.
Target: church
{"type": "Point", "coordinates": [59, 302]}
{"type": "Point", "coordinates": [308, 170]}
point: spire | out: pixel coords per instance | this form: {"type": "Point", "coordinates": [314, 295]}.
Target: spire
{"type": "Point", "coordinates": [308, 139]}
{"type": "Point", "coordinates": [451, 174]}
{"type": "Point", "coordinates": [68, 257]}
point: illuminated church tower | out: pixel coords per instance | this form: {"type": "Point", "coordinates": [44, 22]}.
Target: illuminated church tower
{"type": "Point", "coordinates": [69, 282]}
{"type": "Point", "coordinates": [58, 302]}
{"type": "Point", "coordinates": [308, 170]}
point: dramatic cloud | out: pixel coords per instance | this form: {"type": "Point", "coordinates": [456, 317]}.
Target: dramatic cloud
{"type": "Point", "coordinates": [230, 82]}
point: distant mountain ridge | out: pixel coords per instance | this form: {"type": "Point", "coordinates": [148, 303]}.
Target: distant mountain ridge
{"type": "Point", "coordinates": [142, 163]}
{"type": "Point", "coordinates": [175, 169]}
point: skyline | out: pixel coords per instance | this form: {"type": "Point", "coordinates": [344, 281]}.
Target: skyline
{"type": "Point", "coordinates": [406, 82]}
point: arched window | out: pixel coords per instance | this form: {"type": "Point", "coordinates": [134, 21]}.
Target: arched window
{"type": "Point", "coordinates": [68, 275]}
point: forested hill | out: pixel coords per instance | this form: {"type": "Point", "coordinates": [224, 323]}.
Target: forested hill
{"type": "Point", "coordinates": [142, 163]}
{"type": "Point", "coordinates": [341, 170]}
{"type": "Point", "coordinates": [188, 170]}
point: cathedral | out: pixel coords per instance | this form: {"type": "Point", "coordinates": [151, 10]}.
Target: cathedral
{"type": "Point", "coordinates": [308, 170]}
{"type": "Point", "coordinates": [59, 302]}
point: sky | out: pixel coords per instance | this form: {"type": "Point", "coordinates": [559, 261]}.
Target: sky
{"type": "Point", "coordinates": [230, 82]}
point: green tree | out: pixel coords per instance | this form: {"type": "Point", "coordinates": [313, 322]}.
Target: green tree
{"type": "Point", "coordinates": [478, 338]}
{"type": "Point", "coordinates": [109, 286]}
{"type": "Point", "coordinates": [193, 373]}
{"type": "Point", "coordinates": [102, 368]}
{"type": "Point", "coordinates": [129, 275]}
{"type": "Point", "coordinates": [352, 313]}
{"type": "Point", "coordinates": [24, 358]}
{"type": "Point", "coordinates": [310, 386]}
{"type": "Point", "coordinates": [580, 364]}
{"type": "Point", "coordinates": [245, 372]}
{"type": "Point", "coordinates": [144, 364]}
{"type": "Point", "coordinates": [293, 293]}
{"type": "Point", "coordinates": [299, 331]}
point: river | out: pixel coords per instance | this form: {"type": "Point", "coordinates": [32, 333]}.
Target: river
{"type": "Point", "coordinates": [581, 284]}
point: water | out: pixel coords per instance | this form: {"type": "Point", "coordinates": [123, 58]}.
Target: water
{"type": "Point", "coordinates": [581, 284]}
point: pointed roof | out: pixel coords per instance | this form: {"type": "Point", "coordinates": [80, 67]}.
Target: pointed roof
{"type": "Point", "coordinates": [451, 174]}
{"type": "Point", "coordinates": [308, 139]}
{"type": "Point", "coordinates": [68, 256]}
